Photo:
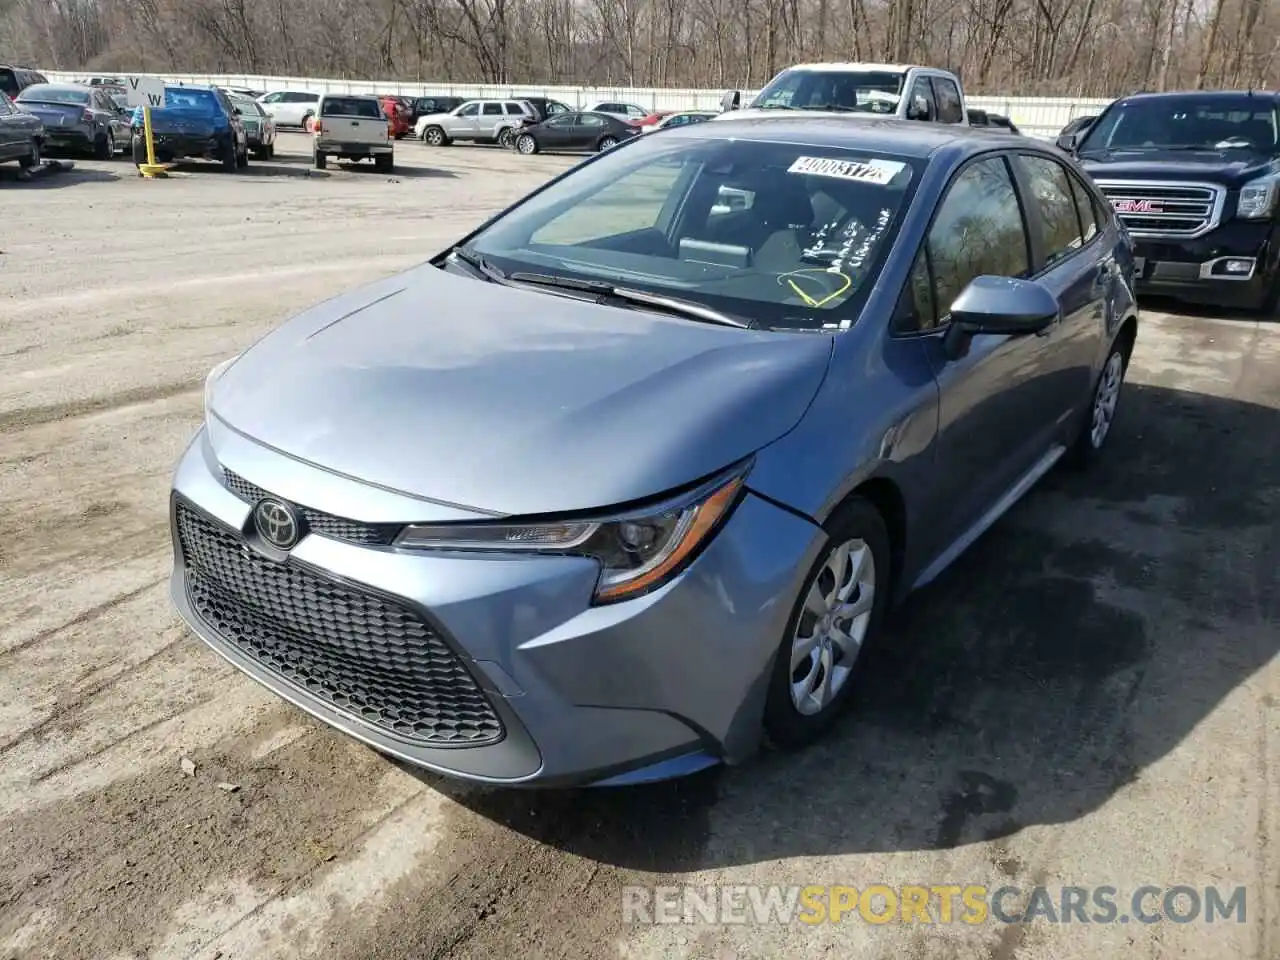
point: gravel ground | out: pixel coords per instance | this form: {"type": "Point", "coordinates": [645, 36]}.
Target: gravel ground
{"type": "Point", "coordinates": [1089, 697]}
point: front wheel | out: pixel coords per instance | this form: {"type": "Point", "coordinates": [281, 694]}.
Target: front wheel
{"type": "Point", "coordinates": [526, 144]}
{"type": "Point", "coordinates": [1096, 427]}
{"type": "Point", "coordinates": [607, 142]}
{"type": "Point", "coordinates": [837, 613]}
{"type": "Point", "coordinates": [242, 159]}
{"type": "Point", "coordinates": [320, 161]}
{"type": "Point", "coordinates": [230, 157]}
{"type": "Point", "coordinates": [104, 147]}
{"type": "Point", "coordinates": [434, 137]}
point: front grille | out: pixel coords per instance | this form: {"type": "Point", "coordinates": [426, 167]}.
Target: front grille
{"type": "Point", "coordinates": [371, 658]}
{"type": "Point", "coordinates": [319, 522]}
{"type": "Point", "coordinates": [1159, 209]}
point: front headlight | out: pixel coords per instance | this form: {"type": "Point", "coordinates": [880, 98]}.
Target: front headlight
{"type": "Point", "coordinates": [638, 551]}
{"type": "Point", "coordinates": [212, 378]}
{"type": "Point", "coordinates": [1257, 198]}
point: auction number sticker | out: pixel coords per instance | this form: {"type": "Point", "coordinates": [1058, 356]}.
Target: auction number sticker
{"type": "Point", "coordinates": [864, 171]}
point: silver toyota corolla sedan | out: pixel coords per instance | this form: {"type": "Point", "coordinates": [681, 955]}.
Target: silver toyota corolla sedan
{"type": "Point", "coordinates": [621, 485]}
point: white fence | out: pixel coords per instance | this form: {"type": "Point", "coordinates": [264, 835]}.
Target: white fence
{"type": "Point", "coordinates": [1037, 116]}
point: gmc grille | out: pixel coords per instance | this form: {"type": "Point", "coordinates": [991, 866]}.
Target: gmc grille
{"type": "Point", "coordinates": [369, 657]}
{"type": "Point", "coordinates": [1165, 209]}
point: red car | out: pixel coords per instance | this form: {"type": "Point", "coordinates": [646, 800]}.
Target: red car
{"type": "Point", "coordinates": [397, 116]}
{"type": "Point", "coordinates": [651, 118]}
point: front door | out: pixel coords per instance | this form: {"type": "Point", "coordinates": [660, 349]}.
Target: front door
{"type": "Point", "coordinates": [997, 401]}
{"type": "Point", "coordinates": [557, 133]}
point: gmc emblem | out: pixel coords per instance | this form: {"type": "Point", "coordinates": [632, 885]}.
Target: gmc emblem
{"type": "Point", "coordinates": [1137, 206]}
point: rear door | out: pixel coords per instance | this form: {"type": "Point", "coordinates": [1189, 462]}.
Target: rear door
{"type": "Point", "coordinates": [491, 118]}
{"type": "Point", "coordinates": [587, 131]}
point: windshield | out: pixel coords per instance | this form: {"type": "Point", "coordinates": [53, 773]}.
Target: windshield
{"type": "Point", "coordinates": [869, 91]}
{"type": "Point", "coordinates": [780, 234]}
{"type": "Point", "coordinates": [187, 98]}
{"type": "Point", "coordinates": [46, 94]}
{"type": "Point", "coordinates": [352, 107]}
{"type": "Point", "coordinates": [1187, 123]}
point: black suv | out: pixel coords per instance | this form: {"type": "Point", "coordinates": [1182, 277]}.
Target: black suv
{"type": "Point", "coordinates": [13, 80]}
{"type": "Point", "coordinates": [1195, 178]}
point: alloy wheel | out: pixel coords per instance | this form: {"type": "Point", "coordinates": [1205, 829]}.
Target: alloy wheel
{"type": "Point", "coordinates": [832, 626]}
{"type": "Point", "coordinates": [526, 144]}
{"type": "Point", "coordinates": [1106, 399]}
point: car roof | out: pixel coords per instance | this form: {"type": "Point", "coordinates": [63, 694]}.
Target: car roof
{"type": "Point", "coordinates": [845, 66]}
{"type": "Point", "coordinates": [62, 86]}
{"type": "Point", "coordinates": [1167, 94]}
{"type": "Point", "coordinates": [908, 138]}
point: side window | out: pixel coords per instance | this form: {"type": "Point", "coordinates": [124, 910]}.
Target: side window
{"type": "Point", "coordinates": [978, 230]}
{"type": "Point", "coordinates": [1086, 208]}
{"type": "Point", "coordinates": [1051, 192]}
{"type": "Point", "coordinates": [636, 112]}
{"type": "Point", "coordinates": [6, 107]}
{"type": "Point", "coordinates": [273, 98]}
{"type": "Point", "coordinates": [555, 108]}
{"type": "Point", "coordinates": [917, 311]}
{"type": "Point", "coordinates": [492, 109]}
{"type": "Point", "coordinates": [515, 110]}
{"type": "Point", "coordinates": [947, 96]}
{"type": "Point", "coordinates": [309, 97]}
{"type": "Point", "coordinates": [564, 120]}
{"type": "Point", "coordinates": [592, 121]}
{"type": "Point", "coordinates": [470, 110]}
{"type": "Point", "coordinates": [921, 105]}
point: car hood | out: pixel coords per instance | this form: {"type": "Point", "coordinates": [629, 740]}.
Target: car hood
{"type": "Point", "coordinates": [1229, 168]}
{"type": "Point", "coordinates": [515, 402]}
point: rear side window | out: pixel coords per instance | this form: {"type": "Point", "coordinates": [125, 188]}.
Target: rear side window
{"type": "Point", "coordinates": [1051, 193]}
{"type": "Point", "coordinates": [492, 109]}
{"type": "Point", "coordinates": [947, 95]}
{"type": "Point", "coordinates": [351, 107]}
{"type": "Point", "coordinates": [515, 110]}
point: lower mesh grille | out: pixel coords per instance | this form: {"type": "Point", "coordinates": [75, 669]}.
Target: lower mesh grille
{"type": "Point", "coordinates": [369, 657]}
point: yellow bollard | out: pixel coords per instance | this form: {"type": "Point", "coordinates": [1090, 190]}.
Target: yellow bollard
{"type": "Point", "coordinates": [150, 168]}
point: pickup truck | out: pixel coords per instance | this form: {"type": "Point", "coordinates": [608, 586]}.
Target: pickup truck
{"type": "Point", "coordinates": [907, 91]}
{"type": "Point", "coordinates": [1195, 178]}
{"type": "Point", "coordinates": [353, 127]}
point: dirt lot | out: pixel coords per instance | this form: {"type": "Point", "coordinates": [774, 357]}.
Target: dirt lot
{"type": "Point", "coordinates": [1091, 696]}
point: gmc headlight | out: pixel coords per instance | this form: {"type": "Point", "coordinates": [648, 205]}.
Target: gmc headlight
{"type": "Point", "coordinates": [1257, 198]}
{"type": "Point", "coordinates": [212, 378]}
{"type": "Point", "coordinates": [637, 551]}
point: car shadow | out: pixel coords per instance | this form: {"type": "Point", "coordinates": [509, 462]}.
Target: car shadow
{"type": "Point", "coordinates": [53, 174]}
{"type": "Point", "coordinates": [1193, 311]}
{"type": "Point", "coordinates": [1072, 647]}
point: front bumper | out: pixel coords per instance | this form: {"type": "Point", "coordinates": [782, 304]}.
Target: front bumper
{"type": "Point", "coordinates": [1233, 265]}
{"type": "Point", "coordinates": [176, 146]}
{"type": "Point", "coordinates": [655, 686]}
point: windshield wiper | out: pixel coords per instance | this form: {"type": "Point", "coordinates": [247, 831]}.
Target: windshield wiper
{"type": "Point", "coordinates": [607, 291]}
{"type": "Point", "coordinates": [479, 264]}
{"type": "Point", "coordinates": [834, 107]}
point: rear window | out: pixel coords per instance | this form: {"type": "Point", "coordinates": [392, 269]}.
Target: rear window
{"type": "Point", "coordinates": [792, 236]}
{"type": "Point", "coordinates": [864, 91]}
{"type": "Point", "coordinates": [351, 107]}
{"type": "Point", "coordinates": [185, 98]}
{"type": "Point", "coordinates": [47, 94]}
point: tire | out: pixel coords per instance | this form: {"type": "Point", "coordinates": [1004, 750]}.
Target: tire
{"type": "Point", "coordinates": [259, 153]}
{"type": "Point", "coordinates": [798, 712]}
{"type": "Point", "coordinates": [433, 136]}
{"type": "Point", "coordinates": [242, 159]}
{"type": "Point", "coordinates": [32, 159]}
{"type": "Point", "coordinates": [320, 161]}
{"type": "Point", "coordinates": [385, 164]}
{"type": "Point", "coordinates": [505, 138]}
{"type": "Point", "coordinates": [306, 121]}
{"type": "Point", "coordinates": [104, 147]}
{"type": "Point", "coordinates": [526, 144]}
{"type": "Point", "coordinates": [606, 143]}
{"type": "Point", "coordinates": [139, 151]}
{"type": "Point", "coordinates": [1270, 299]}
{"type": "Point", "coordinates": [271, 151]}
{"type": "Point", "coordinates": [230, 158]}
{"type": "Point", "coordinates": [1096, 424]}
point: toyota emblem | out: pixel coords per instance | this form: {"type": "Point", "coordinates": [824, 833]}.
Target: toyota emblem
{"type": "Point", "coordinates": [278, 523]}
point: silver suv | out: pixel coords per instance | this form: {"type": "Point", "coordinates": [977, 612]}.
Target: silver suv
{"type": "Point", "coordinates": [481, 121]}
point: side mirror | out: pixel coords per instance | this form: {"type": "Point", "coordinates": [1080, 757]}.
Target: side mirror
{"type": "Point", "coordinates": [1004, 306]}
{"type": "Point", "coordinates": [1068, 142]}
{"type": "Point", "coordinates": [918, 109]}
{"type": "Point", "coordinates": [732, 100]}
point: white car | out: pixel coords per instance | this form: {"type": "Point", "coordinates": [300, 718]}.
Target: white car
{"type": "Point", "coordinates": [480, 121]}
{"type": "Point", "coordinates": [290, 108]}
{"type": "Point", "coordinates": [629, 112]}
